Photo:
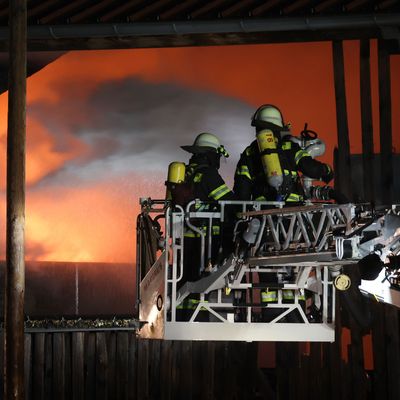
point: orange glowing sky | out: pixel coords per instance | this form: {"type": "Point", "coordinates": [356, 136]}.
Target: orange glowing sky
{"type": "Point", "coordinates": [84, 178]}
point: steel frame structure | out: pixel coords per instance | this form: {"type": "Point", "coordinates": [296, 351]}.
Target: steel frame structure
{"type": "Point", "coordinates": [291, 241]}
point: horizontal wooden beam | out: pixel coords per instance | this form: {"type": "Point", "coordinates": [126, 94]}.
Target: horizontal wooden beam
{"type": "Point", "coordinates": [150, 41]}
{"type": "Point", "coordinates": [205, 33]}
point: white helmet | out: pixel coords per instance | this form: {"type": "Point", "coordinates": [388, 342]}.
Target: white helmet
{"type": "Point", "coordinates": [206, 142]}
{"type": "Point", "coordinates": [269, 114]}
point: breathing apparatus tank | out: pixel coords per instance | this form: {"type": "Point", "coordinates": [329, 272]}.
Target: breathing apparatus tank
{"type": "Point", "coordinates": [270, 158]}
{"type": "Point", "coordinates": [176, 176]}
{"type": "Point", "coordinates": [315, 147]}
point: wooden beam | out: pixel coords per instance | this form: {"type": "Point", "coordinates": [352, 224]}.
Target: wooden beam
{"type": "Point", "coordinates": [353, 5]}
{"type": "Point", "coordinates": [145, 11]}
{"type": "Point", "coordinates": [238, 6]}
{"type": "Point", "coordinates": [118, 11]}
{"type": "Point", "coordinates": [62, 12]}
{"type": "Point", "coordinates": [91, 11]}
{"type": "Point", "coordinates": [366, 120]}
{"type": "Point", "coordinates": [209, 6]}
{"type": "Point", "coordinates": [40, 8]}
{"type": "Point", "coordinates": [295, 6]}
{"type": "Point", "coordinates": [4, 12]}
{"type": "Point", "coordinates": [392, 350]}
{"type": "Point", "coordinates": [385, 123]}
{"type": "Point", "coordinates": [176, 10]}
{"type": "Point", "coordinates": [324, 5]}
{"type": "Point", "coordinates": [265, 7]}
{"type": "Point", "coordinates": [16, 137]}
{"type": "Point", "coordinates": [182, 40]}
{"type": "Point", "coordinates": [342, 176]}
{"type": "Point", "coordinates": [383, 5]}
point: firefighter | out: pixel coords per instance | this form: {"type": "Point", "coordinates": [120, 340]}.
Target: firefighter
{"type": "Point", "coordinates": [203, 168]}
{"type": "Point", "coordinates": [272, 173]}
{"type": "Point", "coordinates": [207, 186]}
{"type": "Point", "coordinates": [268, 170]}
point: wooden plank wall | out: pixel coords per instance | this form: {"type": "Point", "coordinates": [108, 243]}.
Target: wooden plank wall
{"type": "Point", "coordinates": [116, 365]}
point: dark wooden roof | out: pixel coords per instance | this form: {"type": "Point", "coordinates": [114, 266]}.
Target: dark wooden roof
{"type": "Point", "coordinates": [45, 12]}
{"type": "Point", "coordinates": [99, 24]}
{"type": "Point", "coordinates": [62, 25]}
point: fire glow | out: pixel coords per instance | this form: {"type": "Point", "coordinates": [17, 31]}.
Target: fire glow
{"type": "Point", "coordinates": [84, 177]}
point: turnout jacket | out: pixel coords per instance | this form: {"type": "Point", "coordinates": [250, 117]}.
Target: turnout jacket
{"type": "Point", "coordinates": [251, 182]}
{"type": "Point", "coordinates": [207, 185]}
{"type": "Point", "coordinates": [207, 182]}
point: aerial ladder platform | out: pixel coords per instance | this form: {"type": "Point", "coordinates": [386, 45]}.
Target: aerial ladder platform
{"type": "Point", "coordinates": [298, 250]}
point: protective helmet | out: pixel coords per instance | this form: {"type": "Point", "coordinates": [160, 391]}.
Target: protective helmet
{"type": "Point", "coordinates": [267, 114]}
{"type": "Point", "coordinates": [205, 142]}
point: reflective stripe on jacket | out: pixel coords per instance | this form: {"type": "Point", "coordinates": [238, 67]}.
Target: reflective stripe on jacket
{"type": "Point", "coordinates": [271, 296]}
{"type": "Point", "coordinates": [192, 234]}
{"type": "Point", "coordinates": [250, 180]}
{"type": "Point", "coordinates": [208, 183]}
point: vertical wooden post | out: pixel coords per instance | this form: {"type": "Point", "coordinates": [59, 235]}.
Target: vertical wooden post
{"type": "Point", "coordinates": [366, 120]}
{"type": "Point", "coordinates": [385, 123]}
{"type": "Point", "coordinates": [15, 271]}
{"type": "Point", "coordinates": [342, 176]}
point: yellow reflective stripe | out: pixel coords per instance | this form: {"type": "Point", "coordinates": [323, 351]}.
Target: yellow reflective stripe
{"type": "Point", "coordinates": [215, 230]}
{"type": "Point", "coordinates": [294, 197]}
{"type": "Point", "coordinates": [260, 198]}
{"type": "Point", "coordinates": [286, 145]}
{"type": "Point", "coordinates": [197, 177]}
{"type": "Point", "coordinates": [190, 169]}
{"type": "Point", "coordinates": [287, 172]}
{"type": "Point", "coordinates": [190, 304]}
{"type": "Point", "coordinates": [219, 192]}
{"type": "Point", "coordinates": [201, 207]}
{"type": "Point", "coordinates": [191, 234]}
{"type": "Point", "coordinates": [268, 297]}
{"type": "Point", "coordinates": [288, 294]}
{"type": "Point", "coordinates": [299, 155]}
{"type": "Point", "coordinates": [244, 171]}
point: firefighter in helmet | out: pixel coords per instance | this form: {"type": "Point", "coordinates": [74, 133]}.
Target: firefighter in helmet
{"type": "Point", "coordinates": [268, 170]}
{"type": "Point", "coordinates": [207, 185]}
{"type": "Point", "coordinates": [203, 168]}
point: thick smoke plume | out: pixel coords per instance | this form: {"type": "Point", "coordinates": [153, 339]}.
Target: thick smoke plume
{"type": "Point", "coordinates": [91, 157]}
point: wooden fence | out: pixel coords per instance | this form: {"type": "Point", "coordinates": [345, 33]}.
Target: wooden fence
{"type": "Point", "coordinates": [117, 365]}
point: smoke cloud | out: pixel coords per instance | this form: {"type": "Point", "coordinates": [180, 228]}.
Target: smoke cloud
{"type": "Point", "coordinates": [134, 126]}
{"type": "Point", "coordinates": [90, 158]}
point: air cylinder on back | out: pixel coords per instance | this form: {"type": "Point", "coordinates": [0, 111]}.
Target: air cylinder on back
{"type": "Point", "coordinates": [176, 176]}
{"type": "Point", "coordinates": [270, 158]}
